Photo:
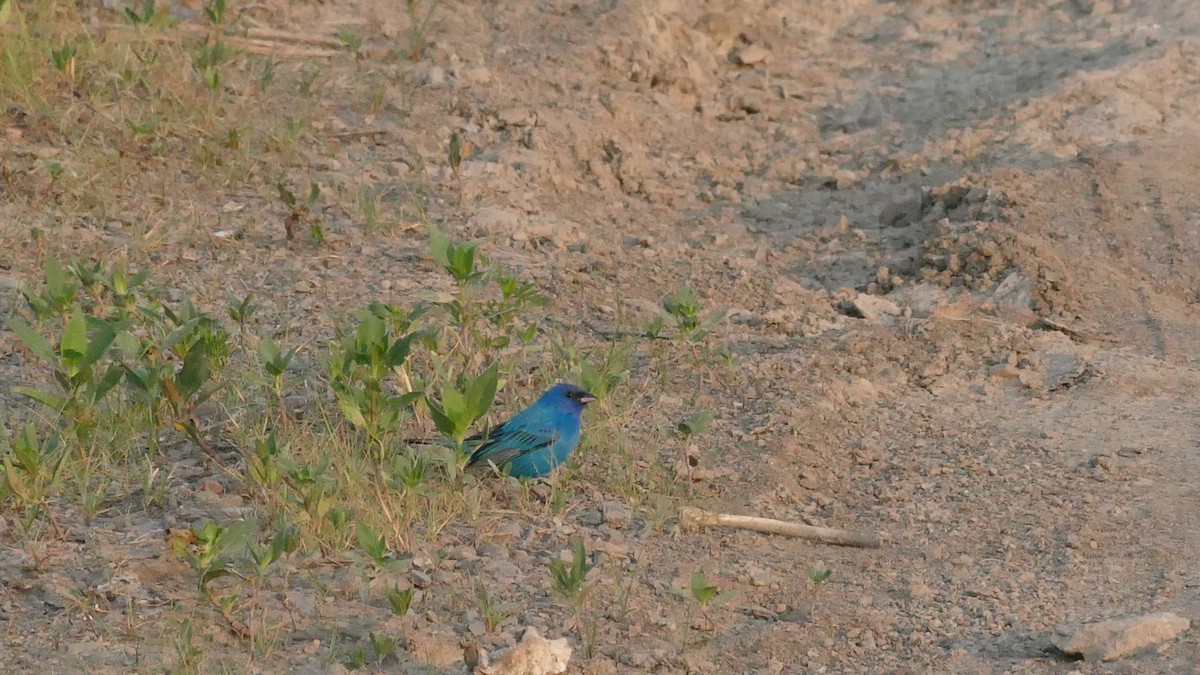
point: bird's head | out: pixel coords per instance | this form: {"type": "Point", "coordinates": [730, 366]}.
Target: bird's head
{"type": "Point", "coordinates": [567, 397]}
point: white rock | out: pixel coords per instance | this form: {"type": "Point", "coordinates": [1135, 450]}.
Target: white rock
{"type": "Point", "coordinates": [876, 309]}
{"type": "Point", "coordinates": [1118, 638]}
{"type": "Point", "coordinates": [533, 655]}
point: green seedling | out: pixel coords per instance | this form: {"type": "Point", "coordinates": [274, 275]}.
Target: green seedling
{"type": "Point", "coordinates": [349, 40]}
{"type": "Point", "coordinates": [284, 543]}
{"type": "Point", "coordinates": [216, 11]}
{"type": "Point", "coordinates": [214, 549]}
{"type": "Point", "coordinates": [310, 489]}
{"type": "Point", "coordinates": [706, 594]}
{"type": "Point", "coordinates": [374, 545]}
{"type": "Point", "coordinates": [492, 615]}
{"type": "Point", "coordinates": [357, 366]}
{"type": "Point", "coordinates": [275, 362]}
{"type": "Point", "coordinates": [64, 59]}
{"type": "Point", "coordinates": [418, 22]}
{"type": "Point", "coordinates": [818, 575]}
{"type": "Point", "coordinates": [383, 646]}
{"type": "Point", "coordinates": [241, 310]}
{"type": "Point", "coordinates": [568, 582]}
{"type": "Point", "coordinates": [408, 473]}
{"type": "Point", "coordinates": [458, 409]}
{"type": "Point", "coordinates": [142, 17]}
{"type": "Point", "coordinates": [57, 297]}
{"type": "Point", "coordinates": [685, 310]}
{"type": "Point", "coordinates": [461, 260]}
{"type": "Point", "coordinates": [401, 600]}
{"type": "Point", "coordinates": [301, 211]}
{"type": "Point", "coordinates": [695, 424]}
{"type": "Point", "coordinates": [264, 467]}
{"type": "Point", "coordinates": [31, 469]}
{"type": "Point", "coordinates": [79, 364]}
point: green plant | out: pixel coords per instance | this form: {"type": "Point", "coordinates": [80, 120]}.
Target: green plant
{"type": "Point", "coordinates": [349, 40]}
{"type": "Point", "coordinates": [401, 600]}
{"type": "Point", "coordinates": [64, 59]}
{"type": "Point", "coordinates": [418, 23]}
{"type": "Point", "coordinates": [188, 655]}
{"type": "Point", "coordinates": [58, 295]}
{"type": "Point", "coordinates": [383, 646]}
{"type": "Point", "coordinates": [83, 376]}
{"type": "Point", "coordinates": [241, 310]}
{"type": "Point", "coordinates": [374, 545]}
{"type": "Point", "coordinates": [357, 366]}
{"type": "Point", "coordinates": [458, 409]}
{"type": "Point", "coordinates": [569, 583]}
{"type": "Point", "coordinates": [214, 548]}
{"type": "Point", "coordinates": [144, 16]}
{"type": "Point", "coordinates": [275, 362]}
{"type": "Point", "coordinates": [706, 594]}
{"type": "Point", "coordinates": [301, 211]}
{"type": "Point", "coordinates": [695, 424]}
{"type": "Point", "coordinates": [216, 11]}
{"type": "Point", "coordinates": [31, 470]}
{"type": "Point", "coordinates": [686, 311]}
{"type": "Point", "coordinates": [492, 615]}
{"type": "Point", "coordinates": [285, 542]}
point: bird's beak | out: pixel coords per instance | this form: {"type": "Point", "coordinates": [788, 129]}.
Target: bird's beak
{"type": "Point", "coordinates": [586, 399]}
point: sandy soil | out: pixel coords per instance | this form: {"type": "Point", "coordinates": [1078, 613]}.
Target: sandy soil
{"type": "Point", "coordinates": [1016, 179]}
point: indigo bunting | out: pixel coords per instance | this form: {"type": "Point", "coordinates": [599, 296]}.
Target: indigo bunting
{"type": "Point", "coordinates": [535, 440]}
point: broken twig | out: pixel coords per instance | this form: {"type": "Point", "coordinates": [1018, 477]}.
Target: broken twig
{"type": "Point", "coordinates": [699, 518]}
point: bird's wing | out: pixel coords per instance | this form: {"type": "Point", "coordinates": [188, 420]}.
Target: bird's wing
{"type": "Point", "coordinates": [503, 445]}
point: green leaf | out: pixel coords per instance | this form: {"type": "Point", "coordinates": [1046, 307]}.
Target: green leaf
{"type": "Point", "coordinates": [103, 335]}
{"type": "Point", "coordinates": [105, 384]}
{"type": "Point", "coordinates": [400, 349]}
{"type": "Point", "coordinates": [37, 344]}
{"type": "Point", "coordinates": [350, 409]}
{"type": "Point", "coordinates": [440, 419]}
{"type": "Point", "coordinates": [439, 246]}
{"type": "Point", "coordinates": [179, 334]}
{"type": "Point", "coordinates": [236, 537]}
{"type": "Point", "coordinates": [481, 392]}
{"type": "Point", "coordinates": [268, 350]}
{"type": "Point", "coordinates": [373, 544]}
{"type": "Point", "coordinates": [56, 279]}
{"type": "Point", "coordinates": [74, 342]}
{"type": "Point", "coordinates": [701, 590]}
{"type": "Point", "coordinates": [48, 399]}
{"type": "Point", "coordinates": [696, 423]}
{"type": "Point", "coordinates": [195, 371]}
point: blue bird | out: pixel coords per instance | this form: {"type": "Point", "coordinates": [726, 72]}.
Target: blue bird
{"type": "Point", "coordinates": [536, 440]}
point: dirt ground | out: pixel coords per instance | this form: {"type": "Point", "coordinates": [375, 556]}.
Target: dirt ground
{"type": "Point", "coordinates": [1017, 416]}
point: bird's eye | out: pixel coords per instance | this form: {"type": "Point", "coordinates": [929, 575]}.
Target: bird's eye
{"type": "Point", "coordinates": [572, 394]}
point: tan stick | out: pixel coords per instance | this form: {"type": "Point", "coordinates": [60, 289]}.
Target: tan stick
{"type": "Point", "coordinates": [273, 46]}
{"type": "Point", "coordinates": [699, 518]}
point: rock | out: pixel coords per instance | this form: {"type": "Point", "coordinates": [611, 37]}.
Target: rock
{"type": "Point", "coordinates": [439, 650]}
{"type": "Point", "coordinates": [751, 55]}
{"type": "Point", "coordinates": [1015, 291]}
{"type": "Point", "coordinates": [876, 309]}
{"type": "Point", "coordinates": [516, 117]}
{"type": "Point", "coordinates": [1118, 638]}
{"type": "Point", "coordinates": [533, 655]}
{"type": "Point", "coordinates": [616, 514]}
{"type": "Point", "coordinates": [902, 210]}
{"type": "Point", "coordinates": [494, 219]}
{"type": "Point", "coordinates": [591, 517]}
{"type": "Point", "coordinates": [477, 75]}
